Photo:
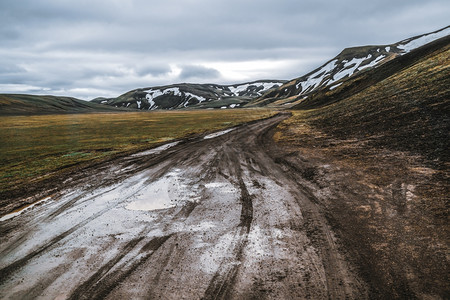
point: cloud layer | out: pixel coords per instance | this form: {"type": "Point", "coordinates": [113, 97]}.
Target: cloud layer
{"type": "Point", "coordinates": [96, 48]}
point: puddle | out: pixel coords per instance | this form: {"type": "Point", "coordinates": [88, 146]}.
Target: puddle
{"type": "Point", "coordinates": [156, 150]}
{"type": "Point", "coordinates": [216, 134]}
{"type": "Point", "coordinates": [168, 191]}
{"type": "Point", "coordinates": [214, 185]}
{"type": "Point", "coordinates": [22, 210]}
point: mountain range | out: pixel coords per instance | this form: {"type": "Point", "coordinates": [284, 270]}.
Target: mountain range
{"type": "Point", "coordinates": [20, 104]}
{"type": "Point", "coordinates": [330, 77]}
{"type": "Point", "coordinates": [187, 95]}
{"type": "Point", "coordinates": [351, 71]}
{"type": "Point", "coordinates": [347, 65]}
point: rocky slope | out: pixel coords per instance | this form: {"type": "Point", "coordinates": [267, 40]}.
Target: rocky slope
{"type": "Point", "coordinates": [187, 95]}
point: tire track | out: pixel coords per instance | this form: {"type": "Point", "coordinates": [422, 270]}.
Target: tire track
{"type": "Point", "coordinates": [222, 284]}
{"type": "Point", "coordinates": [18, 264]}
{"type": "Point", "coordinates": [102, 283]}
{"type": "Point", "coordinates": [338, 279]}
{"type": "Point", "coordinates": [215, 245]}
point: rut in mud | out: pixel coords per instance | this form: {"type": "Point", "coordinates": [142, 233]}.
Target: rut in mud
{"type": "Point", "coordinates": [213, 218]}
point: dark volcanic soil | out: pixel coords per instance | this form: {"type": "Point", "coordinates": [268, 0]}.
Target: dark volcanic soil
{"type": "Point", "coordinates": [211, 218]}
{"type": "Point", "coordinates": [388, 208]}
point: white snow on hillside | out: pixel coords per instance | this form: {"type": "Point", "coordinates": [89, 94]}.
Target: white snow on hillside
{"type": "Point", "coordinates": [150, 100]}
{"type": "Point", "coordinates": [236, 89]}
{"type": "Point", "coordinates": [269, 85]}
{"type": "Point", "coordinates": [349, 68]}
{"type": "Point", "coordinates": [325, 77]}
{"type": "Point", "coordinates": [199, 98]}
{"type": "Point", "coordinates": [416, 43]}
{"type": "Point", "coordinates": [151, 94]}
{"type": "Point", "coordinates": [313, 80]}
{"type": "Point", "coordinates": [373, 63]}
{"type": "Point", "coordinates": [240, 88]}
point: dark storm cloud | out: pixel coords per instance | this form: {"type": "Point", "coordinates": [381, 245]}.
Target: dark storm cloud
{"type": "Point", "coordinates": [86, 47]}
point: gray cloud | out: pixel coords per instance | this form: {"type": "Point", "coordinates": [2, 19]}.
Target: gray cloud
{"type": "Point", "coordinates": [152, 69]}
{"type": "Point", "coordinates": [198, 72]}
{"type": "Point", "coordinates": [91, 48]}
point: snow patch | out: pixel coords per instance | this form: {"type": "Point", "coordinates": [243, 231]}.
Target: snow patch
{"type": "Point", "coordinates": [314, 80]}
{"type": "Point", "coordinates": [416, 43]}
{"type": "Point", "coordinates": [373, 63]}
{"type": "Point", "coordinates": [349, 69]}
{"type": "Point", "coordinates": [335, 86]}
{"type": "Point", "coordinates": [199, 98]}
{"type": "Point", "coordinates": [149, 98]}
{"type": "Point", "coordinates": [241, 88]}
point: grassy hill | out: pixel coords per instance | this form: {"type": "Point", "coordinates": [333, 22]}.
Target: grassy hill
{"type": "Point", "coordinates": [371, 77]}
{"type": "Point", "coordinates": [351, 71]}
{"type": "Point", "coordinates": [20, 104]}
{"type": "Point", "coordinates": [377, 160]}
{"type": "Point", "coordinates": [407, 111]}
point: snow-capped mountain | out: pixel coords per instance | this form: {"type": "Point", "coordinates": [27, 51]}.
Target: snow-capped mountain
{"type": "Point", "coordinates": [349, 62]}
{"type": "Point", "coordinates": [330, 77]}
{"type": "Point", "coordinates": [192, 95]}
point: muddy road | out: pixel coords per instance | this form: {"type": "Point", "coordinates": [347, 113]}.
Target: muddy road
{"type": "Point", "coordinates": [211, 218]}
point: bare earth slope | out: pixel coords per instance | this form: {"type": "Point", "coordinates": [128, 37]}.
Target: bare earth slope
{"type": "Point", "coordinates": [235, 226]}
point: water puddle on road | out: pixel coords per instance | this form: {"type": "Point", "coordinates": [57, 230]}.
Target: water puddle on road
{"type": "Point", "coordinates": [169, 191]}
{"type": "Point", "coordinates": [216, 134]}
{"type": "Point", "coordinates": [156, 150]}
{"type": "Point", "coordinates": [23, 209]}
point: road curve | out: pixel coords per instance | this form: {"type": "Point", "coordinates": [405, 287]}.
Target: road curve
{"type": "Point", "coordinates": [210, 218]}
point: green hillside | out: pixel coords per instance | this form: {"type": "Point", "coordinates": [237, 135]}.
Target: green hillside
{"type": "Point", "coordinates": [20, 104]}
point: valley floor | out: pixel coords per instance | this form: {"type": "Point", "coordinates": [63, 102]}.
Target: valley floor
{"type": "Point", "coordinates": [229, 223]}
{"type": "Point", "coordinates": [226, 216]}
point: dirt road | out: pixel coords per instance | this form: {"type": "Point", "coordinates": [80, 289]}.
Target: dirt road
{"type": "Point", "coordinates": [211, 218]}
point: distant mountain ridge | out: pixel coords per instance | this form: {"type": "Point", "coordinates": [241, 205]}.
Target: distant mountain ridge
{"type": "Point", "coordinates": [351, 71]}
{"type": "Point", "coordinates": [21, 104]}
{"type": "Point", "coordinates": [348, 63]}
{"type": "Point", "coordinates": [274, 93]}
{"type": "Point", "coordinates": [186, 95]}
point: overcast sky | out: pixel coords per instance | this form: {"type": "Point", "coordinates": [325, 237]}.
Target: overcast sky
{"type": "Point", "coordinates": [91, 48]}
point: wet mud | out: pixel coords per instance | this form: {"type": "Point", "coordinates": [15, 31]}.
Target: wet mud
{"type": "Point", "coordinates": [234, 223]}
